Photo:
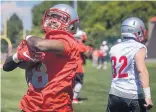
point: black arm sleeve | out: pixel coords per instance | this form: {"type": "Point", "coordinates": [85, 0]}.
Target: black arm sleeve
{"type": "Point", "coordinates": [9, 64]}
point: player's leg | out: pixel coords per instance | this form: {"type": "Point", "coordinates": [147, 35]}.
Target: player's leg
{"type": "Point", "coordinates": [78, 86]}
{"type": "Point", "coordinates": [116, 104]}
{"type": "Point", "coordinates": [137, 105]}
{"type": "Point", "coordinates": [94, 61]}
{"type": "Point", "coordinates": [104, 62]}
{"type": "Point", "coordinates": [99, 63]}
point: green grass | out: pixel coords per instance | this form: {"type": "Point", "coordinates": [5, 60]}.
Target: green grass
{"type": "Point", "coordinates": [95, 89]}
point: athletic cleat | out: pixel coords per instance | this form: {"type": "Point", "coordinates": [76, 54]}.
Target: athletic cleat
{"type": "Point", "coordinates": [76, 100]}
{"type": "Point", "coordinates": [99, 66]}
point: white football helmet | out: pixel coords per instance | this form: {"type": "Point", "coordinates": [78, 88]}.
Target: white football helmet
{"type": "Point", "coordinates": [133, 27]}
{"type": "Point", "coordinates": [80, 35]}
{"type": "Point", "coordinates": [104, 42]}
{"type": "Point", "coordinates": [60, 17]}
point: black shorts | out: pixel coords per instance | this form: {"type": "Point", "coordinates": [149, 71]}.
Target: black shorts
{"type": "Point", "coordinates": [103, 58]}
{"type": "Point", "coordinates": [79, 78]}
{"type": "Point", "coordinates": [119, 104]}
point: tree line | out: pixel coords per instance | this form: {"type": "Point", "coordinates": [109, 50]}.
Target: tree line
{"type": "Point", "coordinates": [101, 20]}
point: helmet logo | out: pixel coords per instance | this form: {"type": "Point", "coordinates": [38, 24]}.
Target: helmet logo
{"type": "Point", "coordinates": [133, 27]}
{"type": "Point", "coordinates": [130, 30]}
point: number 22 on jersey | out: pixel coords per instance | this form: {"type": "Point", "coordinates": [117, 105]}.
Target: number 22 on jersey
{"type": "Point", "coordinates": [119, 73]}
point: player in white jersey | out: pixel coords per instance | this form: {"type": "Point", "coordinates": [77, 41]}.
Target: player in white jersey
{"type": "Point", "coordinates": [104, 47]}
{"type": "Point", "coordinates": [130, 90]}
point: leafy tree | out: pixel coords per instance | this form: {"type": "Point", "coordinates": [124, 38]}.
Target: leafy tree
{"type": "Point", "coordinates": [101, 20]}
{"type": "Point", "coordinates": [4, 46]}
{"type": "Point", "coordinates": [14, 27]}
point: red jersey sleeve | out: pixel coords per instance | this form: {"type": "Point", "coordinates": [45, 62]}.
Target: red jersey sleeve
{"type": "Point", "coordinates": [67, 41]}
{"type": "Point", "coordinates": [67, 46]}
{"type": "Point", "coordinates": [84, 48]}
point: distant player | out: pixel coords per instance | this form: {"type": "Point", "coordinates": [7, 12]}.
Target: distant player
{"type": "Point", "coordinates": [95, 57]}
{"type": "Point", "coordinates": [130, 89]}
{"type": "Point", "coordinates": [84, 52]}
{"type": "Point", "coordinates": [100, 58]}
{"type": "Point", "coordinates": [51, 82]}
{"type": "Point", "coordinates": [103, 52]}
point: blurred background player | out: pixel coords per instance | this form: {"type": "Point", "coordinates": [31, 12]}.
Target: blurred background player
{"type": "Point", "coordinates": [100, 56]}
{"type": "Point", "coordinates": [95, 57]}
{"type": "Point", "coordinates": [130, 89]}
{"type": "Point", "coordinates": [51, 86]}
{"type": "Point", "coordinates": [84, 52]}
{"type": "Point", "coordinates": [103, 52]}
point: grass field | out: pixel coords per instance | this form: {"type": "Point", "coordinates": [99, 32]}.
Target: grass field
{"type": "Point", "coordinates": [94, 92]}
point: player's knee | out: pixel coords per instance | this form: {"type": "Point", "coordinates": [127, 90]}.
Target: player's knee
{"type": "Point", "coordinates": [78, 87]}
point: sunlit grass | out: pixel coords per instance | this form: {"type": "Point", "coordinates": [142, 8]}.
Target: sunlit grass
{"type": "Point", "coordinates": [94, 92]}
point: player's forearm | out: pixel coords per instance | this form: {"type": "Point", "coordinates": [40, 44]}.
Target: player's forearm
{"type": "Point", "coordinates": [40, 45]}
{"type": "Point", "coordinates": [143, 72]}
{"type": "Point", "coordinates": [10, 64]}
{"type": "Point", "coordinates": [33, 42]}
{"type": "Point", "coordinates": [144, 77]}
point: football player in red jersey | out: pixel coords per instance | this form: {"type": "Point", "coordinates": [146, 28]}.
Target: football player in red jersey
{"type": "Point", "coordinates": [95, 56]}
{"type": "Point", "coordinates": [51, 83]}
{"type": "Point", "coordinates": [84, 51]}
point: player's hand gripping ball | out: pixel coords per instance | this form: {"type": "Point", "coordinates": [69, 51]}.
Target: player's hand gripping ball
{"type": "Point", "coordinates": [24, 53]}
{"type": "Point", "coordinates": [26, 57]}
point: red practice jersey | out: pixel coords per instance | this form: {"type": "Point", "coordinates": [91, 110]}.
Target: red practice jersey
{"type": "Point", "coordinates": [82, 48]}
{"type": "Point", "coordinates": [100, 53]}
{"type": "Point", "coordinates": [51, 86]}
{"type": "Point", "coordinates": [95, 53]}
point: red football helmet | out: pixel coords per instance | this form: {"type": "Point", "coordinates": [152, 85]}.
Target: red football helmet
{"type": "Point", "coordinates": [60, 17]}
